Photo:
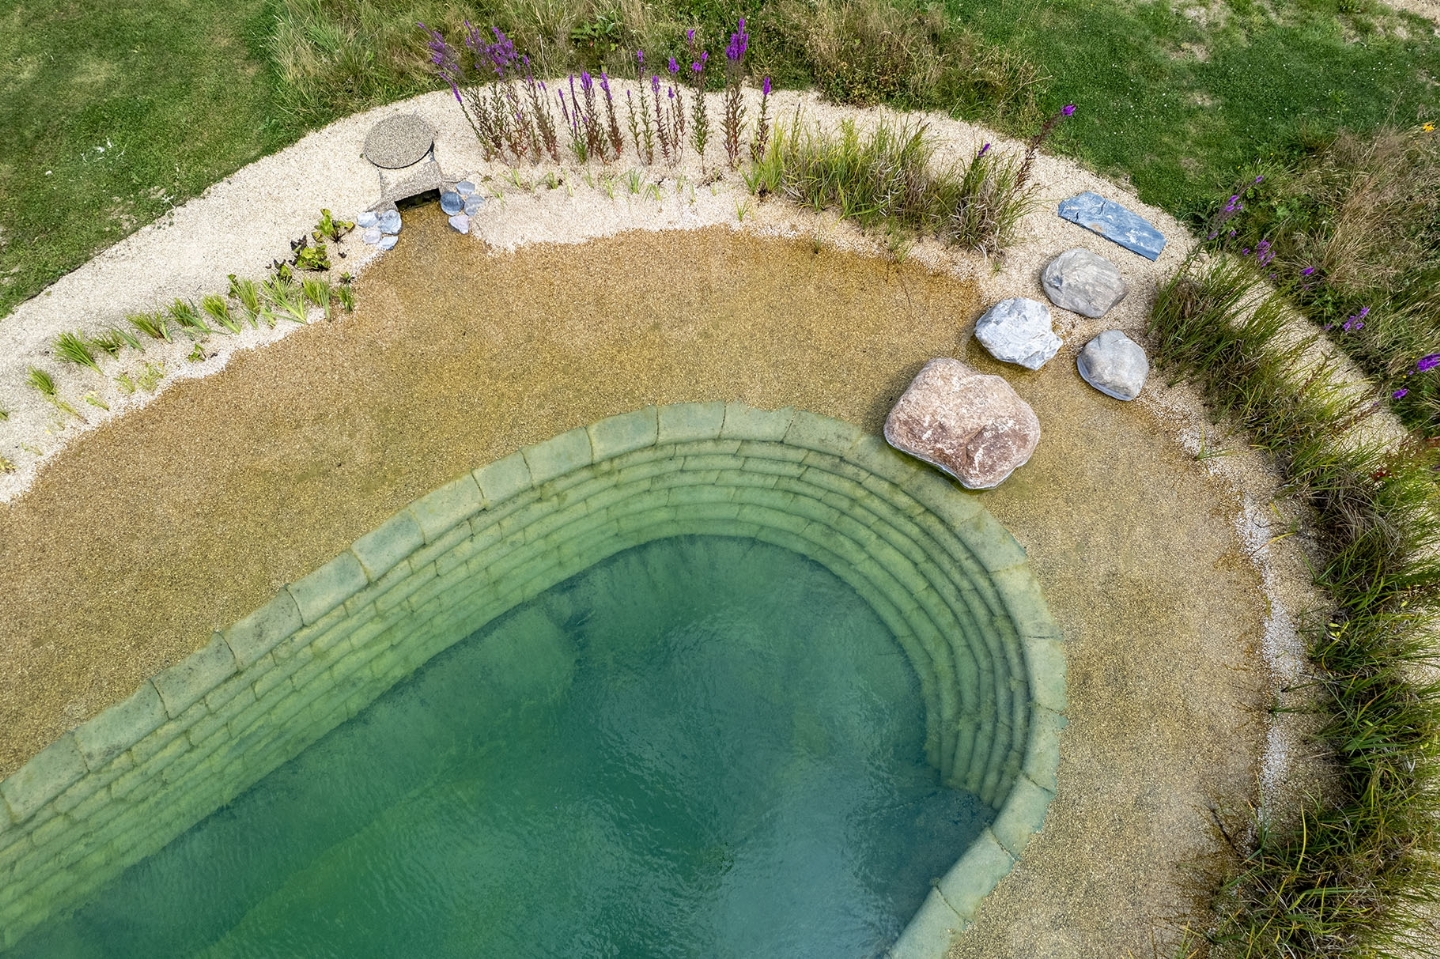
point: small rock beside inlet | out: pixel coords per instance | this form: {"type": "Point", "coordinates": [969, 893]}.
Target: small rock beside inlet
{"type": "Point", "coordinates": [1082, 282]}
{"type": "Point", "coordinates": [1114, 364]}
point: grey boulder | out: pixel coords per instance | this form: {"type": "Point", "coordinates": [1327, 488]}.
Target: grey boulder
{"type": "Point", "coordinates": [1114, 364]}
{"type": "Point", "coordinates": [1084, 283]}
{"type": "Point", "coordinates": [1018, 330]}
{"type": "Point", "coordinates": [969, 424]}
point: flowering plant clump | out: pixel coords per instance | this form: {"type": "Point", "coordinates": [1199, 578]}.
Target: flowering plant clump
{"type": "Point", "coordinates": [700, 131]}
{"type": "Point", "coordinates": [762, 123]}
{"type": "Point", "coordinates": [1038, 140]}
{"type": "Point", "coordinates": [734, 107]}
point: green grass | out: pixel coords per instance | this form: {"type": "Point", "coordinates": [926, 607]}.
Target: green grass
{"type": "Point", "coordinates": [889, 178]}
{"type": "Point", "coordinates": [1347, 880]}
{"type": "Point", "coordinates": [113, 113]}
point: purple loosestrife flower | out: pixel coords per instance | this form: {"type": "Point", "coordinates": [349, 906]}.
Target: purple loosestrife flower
{"type": "Point", "coordinates": [1428, 362]}
{"type": "Point", "coordinates": [983, 150]}
{"type": "Point", "coordinates": [1400, 394]}
{"type": "Point", "coordinates": [1260, 179]}
{"type": "Point", "coordinates": [675, 67]}
{"type": "Point", "coordinates": [639, 58]}
{"type": "Point", "coordinates": [739, 43]}
{"type": "Point", "coordinates": [765, 86]}
{"type": "Point", "coordinates": [1068, 110]}
{"type": "Point", "coordinates": [1357, 322]}
{"type": "Point", "coordinates": [1234, 204]}
{"type": "Point", "coordinates": [1307, 271]}
{"type": "Point", "coordinates": [443, 58]}
{"type": "Point", "coordinates": [1263, 253]}
{"type": "Point", "coordinates": [584, 80]}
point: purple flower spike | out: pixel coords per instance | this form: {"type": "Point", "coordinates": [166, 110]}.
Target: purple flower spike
{"type": "Point", "coordinates": [1428, 362]}
{"type": "Point", "coordinates": [695, 67]}
{"type": "Point", "coordinates": [765, 86]}
{"type": "Point", "coordinates": [1068, 110]}
{"type": "Point", "coordinates": [983, 150]}
{"type": "Point", "coordinates": [640, 57]}
{"type": "Point", "coordinates": [690, 35]}
{"type": "Point", "coordinates": [1307, 271]}
{"type": "Point", "coordinates": [1400, 394]}
{"type": "Point", "coordinates": [675, 67]}
{"type": "Point", "coordinates": [1260, 179]}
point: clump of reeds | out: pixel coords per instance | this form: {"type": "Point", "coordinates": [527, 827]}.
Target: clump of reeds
{"type": "Point", "coordinates": [44, 383]}
{"type": "Point", "coordinates": [153, 325]}
{"type": "Point", "coordinates": [1348, 879]}
{"type": "Point", "coordinates": [888, 177]}
{"type": "Point", "coordinates": [72, 348]}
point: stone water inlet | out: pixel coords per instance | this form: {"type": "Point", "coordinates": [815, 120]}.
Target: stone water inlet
{"type": "Point", "coordinates": [948, 581]}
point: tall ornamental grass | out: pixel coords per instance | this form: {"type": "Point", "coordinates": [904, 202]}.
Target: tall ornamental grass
{"type": "Point", "coordinates": [1352, 877]}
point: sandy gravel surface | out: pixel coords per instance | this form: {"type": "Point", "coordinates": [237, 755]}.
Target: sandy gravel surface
{"type": "Point", "coordinates": [1171, 577]}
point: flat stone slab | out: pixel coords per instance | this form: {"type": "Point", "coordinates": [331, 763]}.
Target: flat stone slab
{"type": "Point", "coordinates": [426, 177]}
{"type": "Point", "coordinates": [399, 141]}
{"type": "Point", "coordinates": [1081, 282]}
{"type": "Point", "coordinates": [1114, 222]}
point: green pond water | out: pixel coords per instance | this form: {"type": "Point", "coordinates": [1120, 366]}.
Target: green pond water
{"type": "Point", "coordinates": [700, 747]}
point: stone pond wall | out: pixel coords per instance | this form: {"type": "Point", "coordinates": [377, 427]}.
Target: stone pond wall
{"type": "Point", "coordinates": [948, 580]}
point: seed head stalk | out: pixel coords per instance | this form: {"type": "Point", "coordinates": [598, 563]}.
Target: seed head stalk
{"type": "Point", "coordinates": [762, 124]}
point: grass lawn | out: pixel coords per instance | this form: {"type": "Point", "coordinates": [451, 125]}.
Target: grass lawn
{"type": "Point", "coordinates": [115, 111]}
{"type": "Point", "coordinates": [179, 93]}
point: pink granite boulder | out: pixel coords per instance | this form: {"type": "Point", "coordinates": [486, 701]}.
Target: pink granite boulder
{"type": "Point", "coordinates": [969, 424]}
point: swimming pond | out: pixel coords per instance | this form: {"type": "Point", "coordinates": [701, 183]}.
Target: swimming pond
{"type": "Point", "coordinates": [947, 583]}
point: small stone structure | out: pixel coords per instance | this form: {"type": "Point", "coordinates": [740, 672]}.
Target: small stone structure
{"type": "Point", "coordinates": [1018, 330]}
{"type": "Point", "coordinates": [971, 425]}
{"type": "Point", "coordinates": [951, 584]}
{"type": "Point", "coordinates": [1082, 282]}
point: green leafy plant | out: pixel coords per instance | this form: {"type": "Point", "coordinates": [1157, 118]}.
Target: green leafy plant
{"type": "Point", "coordinates": [316, 291]}
{"type": "Point", "coordinates": [330, 228]}
{"type": "Point", "coordinates": [218, 310]}
{"type": "Point", "coordinates": [94, 400]}
{"type": "Point", "coordinates": [45, 384]}
{"type": "Point", "coordinates": [345, 296]}
{"type": "Point", "coordinates": [150, 375]}
{"type": "Point", "coordinates": [126, 384]}
{"type": "Point", "coordinates": [285, 297]}
{"type": "Point", "coordinates": [112, 341]}
{"type": "Point", "coordinates": [312, 257]}
{"type": "Point", "coordinates": [72, 348]}
{"type": "Point", "coordinates": [186, 317]}
{"type": "Point", "coordinates": [153, 325]}
{"type": "Point", "coordinates": [247, 294]}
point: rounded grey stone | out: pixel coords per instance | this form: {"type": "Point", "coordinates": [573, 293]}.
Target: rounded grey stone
{"type": "Point", "coordinates": [460, 223]}
{"type": "Point", "coordinates": [1018, 331]}
{"type": "Point", "coordinates": [388, 241]}
{"type": "Point", "coordinates": [1083, 282]}
{"type": "Point", "coordinates": [1114, 364]}
{"type": "Point", "coordinates": [465, 188]}
{"type": "Point", "coordinates": [473, 204]}
{"type": "Point", "coordinates": [372, 235]}
{"type": "Point", "coordinates": [366, 220]}
{"type": "Point", "coordinates": [398, 141]}
{"type": "Point", "coordinates": [451, 203]}
{"type": "Point", "coordinates": [390, 221]}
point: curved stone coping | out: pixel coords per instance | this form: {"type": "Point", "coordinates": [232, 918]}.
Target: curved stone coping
{"type": "Point", "coordinates": [945, 577]}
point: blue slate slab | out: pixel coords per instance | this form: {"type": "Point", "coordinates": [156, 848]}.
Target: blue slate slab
{"type": "Point", "coordinates": [1114, 223]}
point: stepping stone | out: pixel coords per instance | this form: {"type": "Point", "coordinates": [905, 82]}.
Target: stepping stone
{"type": "Point", "coordinates": [372, 235]}
{"type": "Point", "coordinates": [1079, 281]}
{"type": "Point", "coordinates": [366, 220]}
{"type": "Point", "coordinates": [1114, 364]}
{"type": "Point", "coordinates": [390, 221]}
{"type": "Point", "coordinates": [971, 425]}
{"type": "Point", "coordinates": [465, 188]}
{"type": "Point", "coordinates": [399, 141]}
{"type": "Point", "coordinates": [1018, 330]}
{"type": "Point", "coordinates": [460, 222]}
{"type": "Point", "coordinates": [388, 241]}
{"type": "Point", "coordinates": [473, 204]}
{"type": "Point", "coordinates": [1115, 223]}
{"type": "Point", "coordinates": [451, 203]}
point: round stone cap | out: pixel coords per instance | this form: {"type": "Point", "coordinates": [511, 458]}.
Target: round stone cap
{"type": "Point", "coordinates": [398, 141]}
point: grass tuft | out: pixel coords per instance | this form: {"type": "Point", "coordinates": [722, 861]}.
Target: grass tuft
{"type": "Point", "coordinates": [888, 178]}
{"type": "Point", "coordinates": [72, 348]}
{"type": "Point", "coordinates": [218, 310]}
{"type": "Point", "coordinates": [316, 291]}
{"type": "Point", "coordinates": [285, 297]}
{"type": "Point", "coordinates": [153, 325]}
{"type": "Point", "coordinates": [186, 317]}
